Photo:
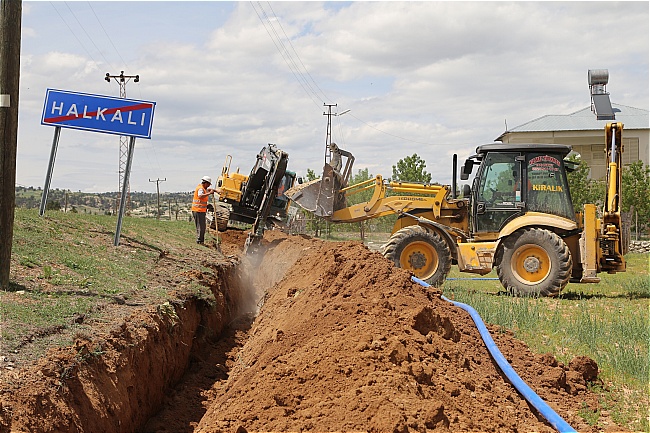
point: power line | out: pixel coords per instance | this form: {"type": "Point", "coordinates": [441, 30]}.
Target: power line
{"type": "Point", "coordinates": [340, 128]}
{"type": "Point", "coordinates": [295, 69]}
{"type": "Point", "coordinates": [284, 56]}
{"type": "Point", "coordinates": [107, 36]}
{"type": "Point", "coordinates": [392, 135]}
{"type": "Point", "coordinates": [296, 53]}
{"type": "Point", "coordinates": [87, 35]}
{"type": "Point", "coordinates": [73, 34]}
{"type": "Point", "coordinates": [124, 62]}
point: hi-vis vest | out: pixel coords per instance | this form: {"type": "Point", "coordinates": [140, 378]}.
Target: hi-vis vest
{"type": "Point", "coordinates": [199, 204]}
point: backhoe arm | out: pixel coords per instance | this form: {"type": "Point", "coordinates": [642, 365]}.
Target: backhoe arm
{"type": "Point", "coordinates": [612, 245]}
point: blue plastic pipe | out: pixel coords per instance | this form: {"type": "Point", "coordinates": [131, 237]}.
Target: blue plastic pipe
{"type": "Point", "coordinates": [544, 409]}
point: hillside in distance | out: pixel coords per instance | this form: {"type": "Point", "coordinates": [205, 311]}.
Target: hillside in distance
{"type": "Point", "coordinates": [142, 204]}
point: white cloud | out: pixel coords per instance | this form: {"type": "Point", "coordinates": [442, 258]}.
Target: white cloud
{"type": "Point", "coordinates": [448, 74]}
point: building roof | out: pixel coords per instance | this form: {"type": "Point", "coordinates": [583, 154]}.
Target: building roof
{"type": "Point", "coordinates": [584, 120]}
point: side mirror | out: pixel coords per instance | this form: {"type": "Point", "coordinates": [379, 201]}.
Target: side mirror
{"type": "Point", "coordinates": [467, 169]}
{"type": "Point", "coordinates": [299, 180]}
{"type": "Point", "coordinates": [467, 191]}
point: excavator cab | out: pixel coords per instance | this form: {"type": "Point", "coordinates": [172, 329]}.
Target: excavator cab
{"type": "Point", "coordinates": [515, 179]}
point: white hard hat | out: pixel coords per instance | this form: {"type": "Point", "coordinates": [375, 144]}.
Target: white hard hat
{"type": "Point", "coordinates": [207, 179]}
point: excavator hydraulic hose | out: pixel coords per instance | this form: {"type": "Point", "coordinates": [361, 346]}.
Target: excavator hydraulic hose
{"type": "Point", "coordinates": [542, 407]}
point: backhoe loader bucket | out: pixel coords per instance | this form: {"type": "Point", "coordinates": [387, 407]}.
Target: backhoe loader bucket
{"type": "Point", "coordinates": [321, 196]}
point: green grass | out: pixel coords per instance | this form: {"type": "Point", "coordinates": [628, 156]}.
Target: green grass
{"type": "Point", "coordinates": [68, 266]}
{"type": "Point", "coordinates": [65, 265]}
{"type": "Point", "coordinates": [608, 322]}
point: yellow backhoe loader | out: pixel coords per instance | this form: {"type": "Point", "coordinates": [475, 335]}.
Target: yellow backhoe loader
{"type": "Point", "coordinates": [517, 217]}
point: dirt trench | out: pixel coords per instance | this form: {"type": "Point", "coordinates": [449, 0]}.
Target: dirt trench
{"type": "Point", "coordinates": [343, 341]}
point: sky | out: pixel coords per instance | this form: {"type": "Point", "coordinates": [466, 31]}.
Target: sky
{"type": "Point", "coordinates": [425, 78]}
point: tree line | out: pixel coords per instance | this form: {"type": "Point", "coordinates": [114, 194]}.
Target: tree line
{"type": "Point", "coordinates": [635, 196]}
{"type": "Point", "coordinates": [105, 203]}
{"type": "Point", "coordinates": [635, 191]}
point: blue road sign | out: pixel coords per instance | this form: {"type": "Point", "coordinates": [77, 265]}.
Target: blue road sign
{"type": "Point", "coordinates": [98, 113]}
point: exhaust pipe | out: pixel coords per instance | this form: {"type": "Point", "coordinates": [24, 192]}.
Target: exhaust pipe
{"type": "Point", "coordinates": [454, 173]}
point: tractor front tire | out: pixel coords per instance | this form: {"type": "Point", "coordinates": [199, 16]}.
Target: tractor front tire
{"type": "Point", "coordinates": [423, 252]}
{"type": "Point", "coordinates": [534, 262]}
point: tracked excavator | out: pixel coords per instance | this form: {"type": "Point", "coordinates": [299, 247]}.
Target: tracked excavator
{"type": "Point", "coordinates": [516, 217]}
{"type": "Point", "coordinates": [257, 199]}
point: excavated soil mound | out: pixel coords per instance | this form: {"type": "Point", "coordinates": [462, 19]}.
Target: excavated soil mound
{"type": "Point", "coordinates": [342, 341]}
{"type": "Point", "coordinates": [346, 342]}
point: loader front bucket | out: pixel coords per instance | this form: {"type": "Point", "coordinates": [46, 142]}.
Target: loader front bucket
{"type": "Point", "coordinates": [322, 196]}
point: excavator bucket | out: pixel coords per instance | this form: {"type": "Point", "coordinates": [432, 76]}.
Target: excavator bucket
{"type": "Point", "coordinates": [321, 196]}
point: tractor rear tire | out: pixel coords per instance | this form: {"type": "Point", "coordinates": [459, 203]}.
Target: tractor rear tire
{"type": "Point", "coordinates": [221, 216]}
{"type": "Point", "coordinates": [534, 262]}
{"type": "Point", "coordinates": [423, 252]}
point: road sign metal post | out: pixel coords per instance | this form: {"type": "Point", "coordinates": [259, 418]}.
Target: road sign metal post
{"type": "Point", "coordinates": [50, 169]}
{"type": "Point", "coordinates": [127, 173]}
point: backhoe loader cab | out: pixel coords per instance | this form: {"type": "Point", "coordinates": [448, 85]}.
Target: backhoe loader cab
{"type": "Point", "coordinates": [514, 179]}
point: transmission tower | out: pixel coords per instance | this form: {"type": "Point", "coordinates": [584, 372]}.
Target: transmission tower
{"type": "Point", "coordinates": [124, 145]}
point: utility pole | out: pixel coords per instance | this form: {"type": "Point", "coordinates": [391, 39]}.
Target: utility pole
{"type": "Point", "coordinates": [124, 146]}
{"type": "Point", "coordinates": [158, 192]}
{"type": "Point", "coordinates": [10, 33]}
{"type": "Point", "coordinates": [328, 134]}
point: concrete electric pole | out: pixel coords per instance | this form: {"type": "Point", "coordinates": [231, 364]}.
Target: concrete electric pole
{"type": "Point", "coordinates": [10, 19]}
{"type": "Point", "coordinates": [124, 146]}
{"type": "Point", "coordinates": [158, 191]}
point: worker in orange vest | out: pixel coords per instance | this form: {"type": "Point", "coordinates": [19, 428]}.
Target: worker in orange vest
{"type": "Point", "coordinates": [200, 206]}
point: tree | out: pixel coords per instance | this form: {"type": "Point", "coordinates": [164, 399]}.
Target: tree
{"type": "Point", "coordinates": [635, 185]}
{"type": "Point", "coordinates": [411, 169]}
{"type": "Point", "coordinates": [53, 205]}
{"type": "Point", "coordinates": [584, 190]}
{"type": "Point", "coordinates": [310, 175]}
{"type": "Point", "coordinates": [361, 197]}
{"type": "Point", "coordinates": [313, 222]}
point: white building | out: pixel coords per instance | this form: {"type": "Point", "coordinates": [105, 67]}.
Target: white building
{"type": "Point", "coordinates": [586, 135]}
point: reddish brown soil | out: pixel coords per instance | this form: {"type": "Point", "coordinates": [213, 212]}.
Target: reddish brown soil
{"type": "Point", "coordinates": [343, 342]}
{"type": "Point", "coordinates": [346, 342]}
